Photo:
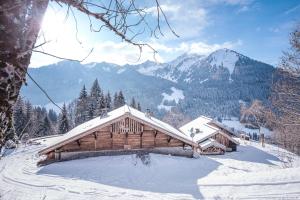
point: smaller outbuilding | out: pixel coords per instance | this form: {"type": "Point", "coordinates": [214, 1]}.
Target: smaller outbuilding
{"type": "Point", "coordinates": [211, 146]}
{"type": "Point", "coordinates": [212, 136]}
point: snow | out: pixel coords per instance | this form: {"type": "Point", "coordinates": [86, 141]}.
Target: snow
{"type": "Point", "coordinates": [237, 125]}
{"type": "Point", "coordinates": [253, 172]}
{"type": "Point", "coordinates": [149, 70]}
{"type": "Point", "coordinates": [90, 65]}
{"type": "Point", "coordinates": [187, 80]}
{"type": "Point", "coordinates": [203, 80]}
{"type": "Point", "coordinates": [119, 113]}
{"type": "Point", "coordinates": [211, 142]}
{"type": "Point", "coordinates": [164, 107]}
{"type": "Point", "coordinates": [120, 71]}
{"type": "Point", "coordinates": [176, 95]}
{"type": "Point", "coordinates": [157, 123]}
{"type": "Point", "coordinates": [199, 124]}
{"type": "Point", "coordinates": [167, 76]}
{"type": "Point", "coordinates": [105, 68]}
{"type": "Point", "coordinates": [186, 61]}
{"type": "Point", "coordinates": [225, 57]}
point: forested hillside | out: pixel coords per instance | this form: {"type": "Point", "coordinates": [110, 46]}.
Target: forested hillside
{"type": "Point", "coordinates": [213, 85]}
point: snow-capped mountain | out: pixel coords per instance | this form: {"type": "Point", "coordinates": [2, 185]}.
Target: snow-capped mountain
{"type": "Point", "coordinates": [189, 68]}
{"type": "Point", "coordinates": [212, 85]}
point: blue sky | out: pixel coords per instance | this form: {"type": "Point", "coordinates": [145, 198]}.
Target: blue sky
{"type": "Point", "coordinates": [258, 29]}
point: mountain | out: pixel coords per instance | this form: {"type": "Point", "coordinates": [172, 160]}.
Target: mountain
{"type": "Point", "coordinates": [214, 85]}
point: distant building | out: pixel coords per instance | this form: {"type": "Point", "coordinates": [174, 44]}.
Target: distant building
{"type": "Point", "coordinates": [211, 136]}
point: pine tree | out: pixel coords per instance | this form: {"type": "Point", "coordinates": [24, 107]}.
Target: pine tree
{"type": "Point", "coordinates": [121, 99]}
{"type": "Point", "coordinates": [94, 99]}
{"type": "Point", "coordinates": [116, 101]}
{"type": "Point", "coordinates": [139, 106]}
{"type": "Point", "coordinates": [19, 116]}
{"type": "Point", "coordinates": [95, 90]}
{"type": "Point", "coordinates": [82, 107]}
{"type": "Point", "coordinates": [91, 111]}
{"type": "Point", "coordinates": [28, 114]}
{"type": "Point", "coordinates": [28, 110]}
{"type": "Point", "coordinates": [133, 104]}
{"type": "Point", "coordinates": [83, 93]}
{"type": "Point", "coordinates": [108, 101]}
{"type": "Point", "coordinates": [71, 110]}
{"type": "Point", "coordinates": [38, 122]}
{"type": "Point", "coordinates": [63, 122]}
{"type": "Point", "coordinates": [52, 116]}
{"type": "Point", "coordinates": [101, 104]}
{"type": "Point", "coordinates": [46, 128]}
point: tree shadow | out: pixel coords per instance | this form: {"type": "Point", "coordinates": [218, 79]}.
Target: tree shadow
{"type": "Point", "coordinates": [164, 174]}
{"type": "Point", "coordinates": [251, 154]}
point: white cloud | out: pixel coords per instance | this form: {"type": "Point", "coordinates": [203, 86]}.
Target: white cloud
{"type": "Point", "coordinates": [232, 2]}
{"type": "Point", "coordinates": [187, 18]}
{"type": "Point", "coordinates": [243, 9]}
{"type": "Point", "coordinates": [64, 44]}
{"type": "Point", "coordinates": [122, 53]}
{"type": "Point", "coordinates": [204, 48]}
{"type": "Point", "coordinates": [114, 52]}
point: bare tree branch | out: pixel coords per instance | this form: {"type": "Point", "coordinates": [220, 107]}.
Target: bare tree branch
{"type": "Point", "coordinates": [63, 58]}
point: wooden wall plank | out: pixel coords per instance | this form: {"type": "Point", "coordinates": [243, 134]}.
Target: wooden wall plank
{"type": "Point", "coordinates": [139, 136]}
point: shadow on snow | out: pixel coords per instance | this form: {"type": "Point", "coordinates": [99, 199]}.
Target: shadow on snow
{"type": "Point", "coordinates": [251, 154]}
{"type": "Point", "coordinates": [164, 174]}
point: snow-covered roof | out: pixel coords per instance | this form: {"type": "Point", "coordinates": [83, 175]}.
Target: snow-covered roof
{"type": "Point", "coordinates": [111, 117]}
{"type": "Point", "coordinates": [200, 127]}
{"type": "Point", "coordinates": [209, 143]}
{"type": "Point", "coordinates": [202, 130]}
{"type": "Point", "coordinates": [224, 126]}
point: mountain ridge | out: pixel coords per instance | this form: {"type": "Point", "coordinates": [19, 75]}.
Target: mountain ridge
{"type": "Point", "coordinates": [219, 81]}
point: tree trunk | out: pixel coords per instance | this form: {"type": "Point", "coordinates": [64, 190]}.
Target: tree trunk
{"type": "Point", "coordinates": [20, 22]}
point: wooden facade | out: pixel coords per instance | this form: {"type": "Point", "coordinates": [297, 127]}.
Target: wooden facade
{"type": "Point", "coordinates": [127, 130]}
{"type": "Point", "coordinates": [212, 151]}
{"type": "Point", "coordinates": [222, 139]}
{"type": "Point", "coordinates": [125, 134]}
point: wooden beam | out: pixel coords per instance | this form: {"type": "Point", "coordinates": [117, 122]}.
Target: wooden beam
{"type": "Point", "coordinates": [78, 142]}
{"type": "Point", "coordinates": [95, 135]}
{"type": "Point", "coordinates": [141, 140]}
{"type": "Point", "coordinates": [169, 139]}
{"type": "Point", "coordinates": [155, 134]}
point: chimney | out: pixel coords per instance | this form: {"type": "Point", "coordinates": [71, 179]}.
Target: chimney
{"type": "Point", "coordinates": [148, 113]}
{"type": "Point", "coordinates": [103, 112]}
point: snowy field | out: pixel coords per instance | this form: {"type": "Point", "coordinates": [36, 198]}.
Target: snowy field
{"type": "Point", "coordinates": [252, 172]}
{"type": "Point", "coordinates": [175, 96]}
{"type": "Point", "coordinates": [237, 125]}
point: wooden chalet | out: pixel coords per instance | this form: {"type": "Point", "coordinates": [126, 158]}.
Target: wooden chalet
{"type": "Point", "coordinates": [123, 130]}
{"type": "Point", "coordinates": [211, 136]}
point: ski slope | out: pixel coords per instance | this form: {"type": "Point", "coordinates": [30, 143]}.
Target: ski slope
{"type": "Point", "coordinates": [252, 172]}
